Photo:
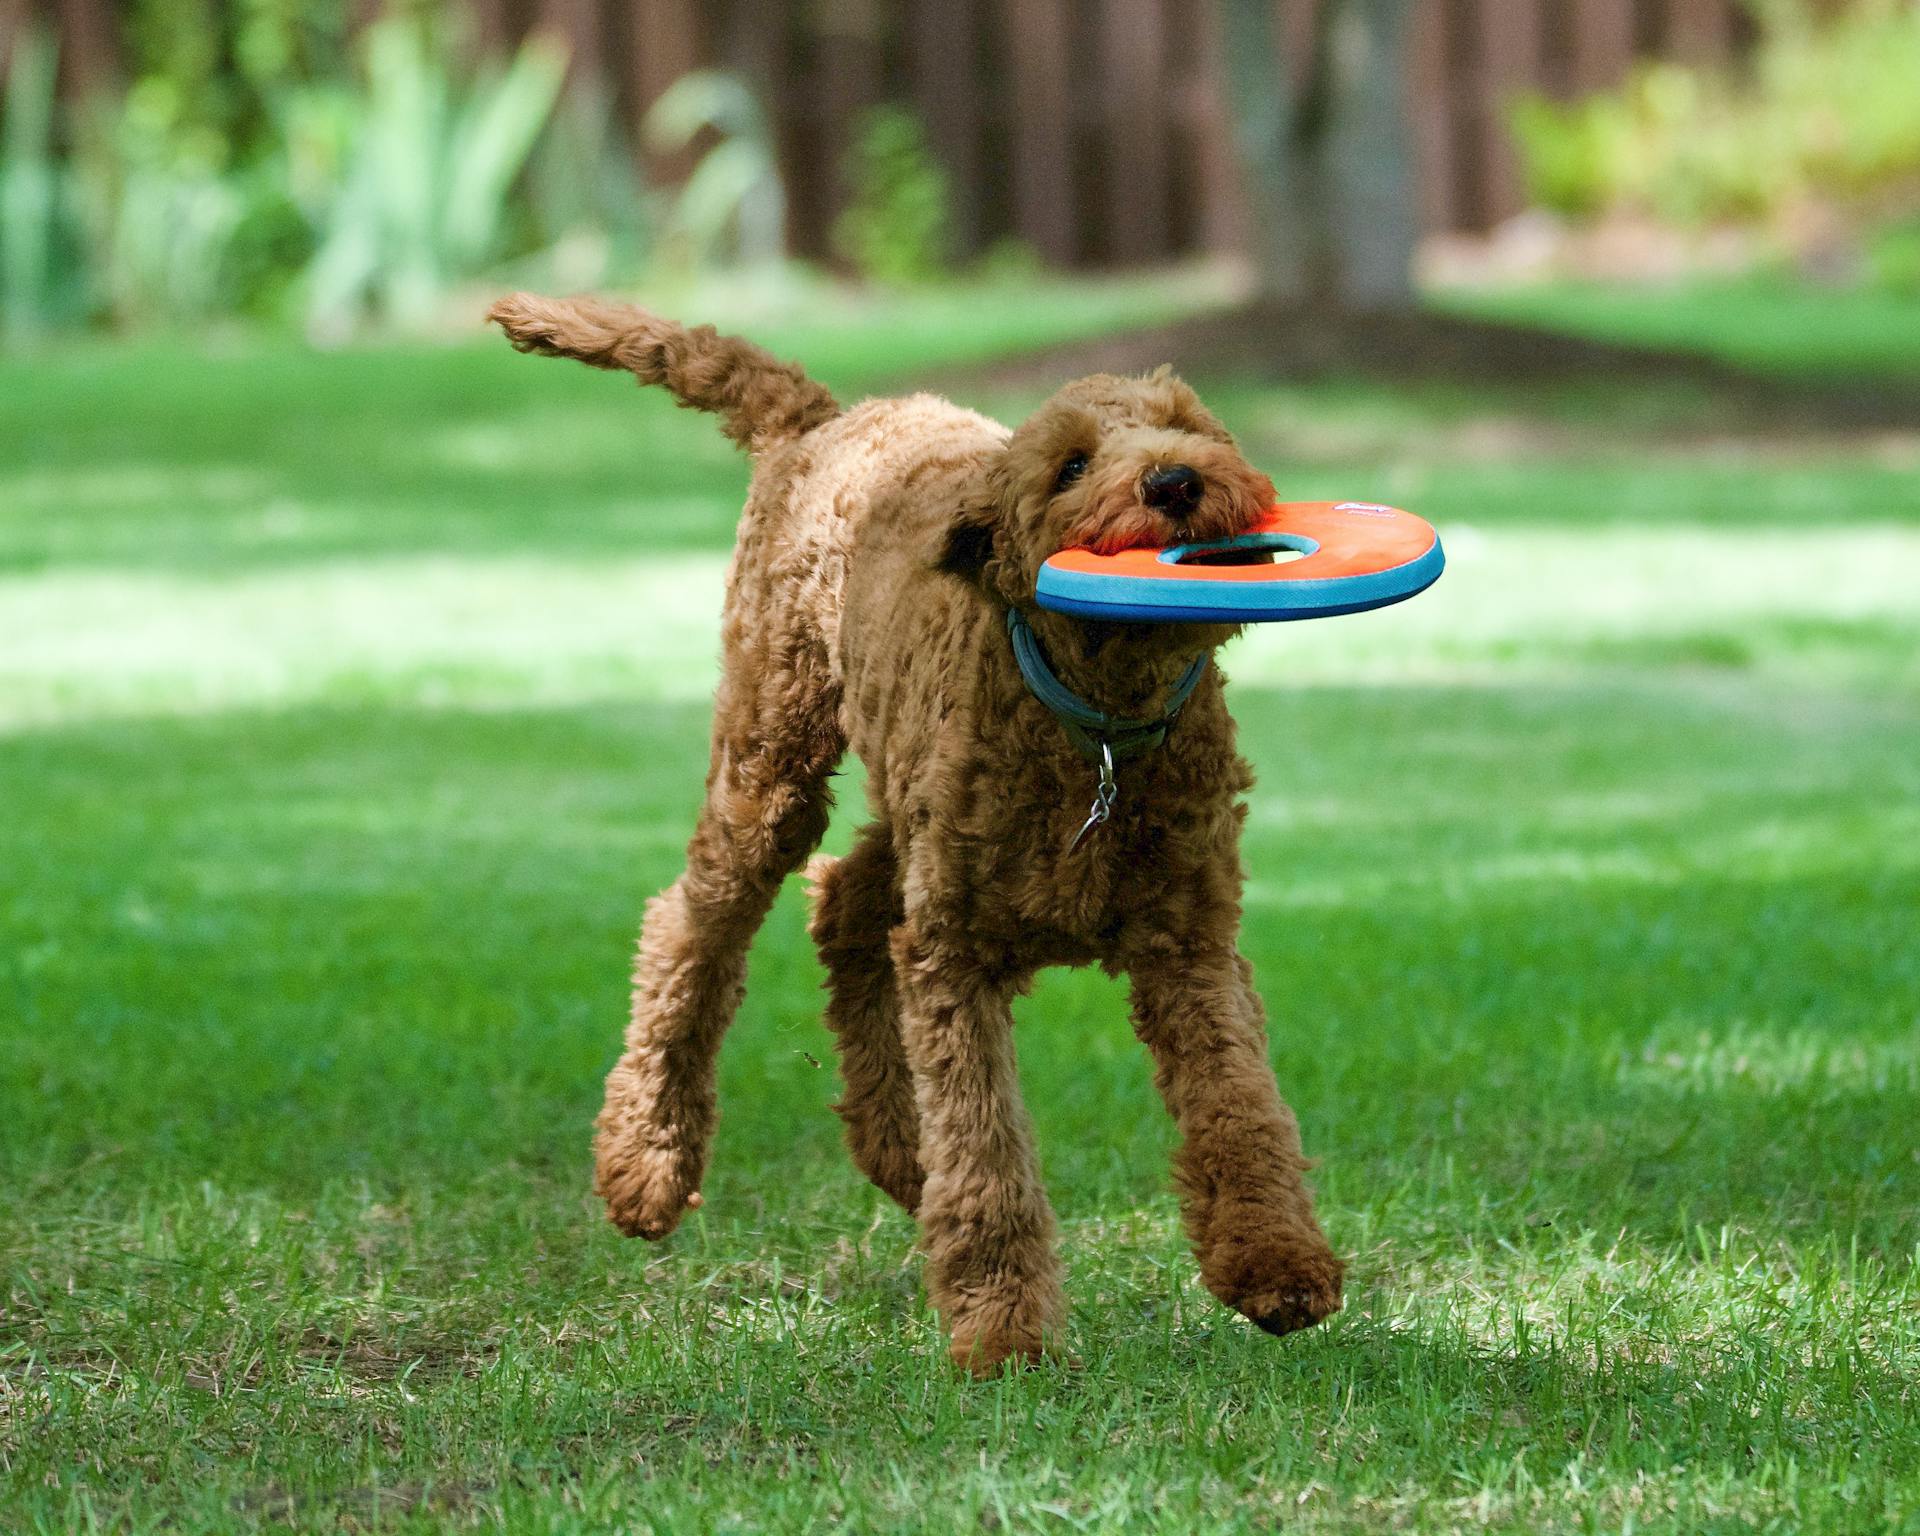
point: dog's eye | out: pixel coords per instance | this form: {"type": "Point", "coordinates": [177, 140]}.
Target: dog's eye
{"type": "Point", "coordinates": [1072, 470]}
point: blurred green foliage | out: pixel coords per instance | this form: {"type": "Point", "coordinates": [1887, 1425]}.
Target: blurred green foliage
{"type": "Point", "coordinates": [1893, 257]}
{"type": "Point", "coordinates": [260, 163]}
{"type": "Point", "coordinates": [265, 161]}
{"type": "Point", "coordinates": [895, 227]}
{"type": "Point", "coordinates": [29, 190]}
{"type": "Point", "coordinates": [214, 76]}
{"type": "Point", "coordinates": [427, 172]}
{"type": "Point", "coordinates": [732, 209]}
{"type": "Point", "coordinates": [181, 191]}
{"type": "Point", "coordinates": [1823, 123]}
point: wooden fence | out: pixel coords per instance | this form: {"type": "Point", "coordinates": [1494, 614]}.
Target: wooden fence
{"type": "Point", "coordinates": [1094, 130]}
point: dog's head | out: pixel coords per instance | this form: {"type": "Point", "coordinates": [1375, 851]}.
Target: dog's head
{"type": "Point", "coordinates": [1106, 464]}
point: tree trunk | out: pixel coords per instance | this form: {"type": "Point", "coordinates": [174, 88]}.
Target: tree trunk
{"type": "Point", "coordinates": [1368, 153]}
{"type": "Point", "coordinates": [1262, 108]}
{"type": "Point", "coordinates": [1045, 213]}
{"type": "Point", "coordinates": [1328, 166]}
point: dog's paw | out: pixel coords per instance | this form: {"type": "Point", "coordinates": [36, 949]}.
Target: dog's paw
{"type": "Point", "coordinates": [1282, 1282]}
{"type": "Point", "coordinates": [1009, 1327]}
{"type": "Point", "coordinates": [1283, 1312]}
{"type": "Point", "coordinates": [985, 1355]}
{"type": "Point", "coordinates": [646, 1195]}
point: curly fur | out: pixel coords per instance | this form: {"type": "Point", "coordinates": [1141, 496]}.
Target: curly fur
{"type": "Point", "coordinates": [878, 551]}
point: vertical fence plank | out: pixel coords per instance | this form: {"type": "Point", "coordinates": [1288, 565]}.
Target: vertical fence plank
{"type": "Point", "coordinates": [754, 41]}
{"type": "Point", "coordinates": [664, 36]}
{"type": "Point", "coordinates": [1509, 62]}
{"type": "Point", "coordinates": [1430, 114]}
{"type": "Point", "coordinates": [578, 24]}
{"type": "Point", "coordinates": [1699, 31]}
{"type": "Point", "coordinates": [751, 44]}
{"type": "Point", "coordinates": [1202, 159]}
{"type": "Point", "coordinates": [1294, 25]}
{"type": "Point", "coordinates": [1036, 36]}
{"type": "Point", "coordinates": [1133, 113]}
{"type": "Point", "coordinates": [1602, 43]}
{"type": "Point", "coordinates": [846, 83]}
{"type": "Point", "coordinates": [89, 38]}
{"type": "Point", "coordinates": [13, 21]}
{"type": "Point", "coordinates": [945, 46]}
{"type": "Point", "coordinates": [666, 44]}
{"type": "Point", "coordinates": [489, 29]}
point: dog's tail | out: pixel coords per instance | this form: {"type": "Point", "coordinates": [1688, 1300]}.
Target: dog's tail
{"type": "Point", "coordinates": [761, 402]}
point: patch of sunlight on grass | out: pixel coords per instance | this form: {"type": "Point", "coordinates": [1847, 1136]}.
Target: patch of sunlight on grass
{"type": "Point", "coordinates": [529, 438]}
{"type": "Point", "coordinates": [1780, 850]}
{"type": "Point", "coordinates": [53, 493]}
{"type": "Point", "coordinates": [1610, 1295]}
{"type": "Point", "coordinates": [1533, 599]}
{"type": "Point", "coordinates": [433, 631]}
{"type": "Point", "coordinates": [1691, 1061]}
{"type": "Point", "coordinates": [489, 630]}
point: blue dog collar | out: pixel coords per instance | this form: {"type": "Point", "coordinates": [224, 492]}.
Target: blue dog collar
{"type": "Point", "coordinates": [1090, 729]}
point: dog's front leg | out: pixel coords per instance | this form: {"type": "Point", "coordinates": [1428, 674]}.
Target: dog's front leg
{"type": "Point", "coordinates": [1240, 1169]}
{"type": "Point", "coordinates": [984, 1219]}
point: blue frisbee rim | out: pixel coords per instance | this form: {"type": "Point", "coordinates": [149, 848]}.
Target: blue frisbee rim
{"type": "Point", "coordinates": [1107, 596]}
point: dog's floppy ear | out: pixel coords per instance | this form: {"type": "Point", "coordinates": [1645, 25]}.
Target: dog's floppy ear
{"type": "Point", "coordinates": [963, 542]}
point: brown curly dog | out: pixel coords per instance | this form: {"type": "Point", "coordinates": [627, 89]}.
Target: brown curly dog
{"type": "Point", "coordinates": [880, 554]}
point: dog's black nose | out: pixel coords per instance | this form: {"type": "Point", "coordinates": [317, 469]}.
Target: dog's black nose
{"type": "Point", "coordinates": [1173, 488]}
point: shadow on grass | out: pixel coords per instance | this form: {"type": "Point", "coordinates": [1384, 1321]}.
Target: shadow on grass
{"type": "Point", "coordinates": [1278, 342]}
{"type": "Point", "coordinates": [1656, 973]}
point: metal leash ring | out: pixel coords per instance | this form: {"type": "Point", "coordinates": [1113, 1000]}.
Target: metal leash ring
{"type": "Point", "coordinates": [1103, 797]}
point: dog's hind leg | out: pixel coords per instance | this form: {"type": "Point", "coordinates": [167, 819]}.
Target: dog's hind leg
{"type": "Point", "coordinates": [776, 739]}
{"type": "Point", "coordinates": [855, 909]}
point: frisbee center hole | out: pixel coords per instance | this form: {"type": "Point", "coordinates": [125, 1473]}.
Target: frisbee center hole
{"type": "Point", "coordinates": [1246, 549]}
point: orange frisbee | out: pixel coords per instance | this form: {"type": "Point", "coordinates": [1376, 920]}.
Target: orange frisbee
{"type": "Point", "coordinates": [1303, 560]}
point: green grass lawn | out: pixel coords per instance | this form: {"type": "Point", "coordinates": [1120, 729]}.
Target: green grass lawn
{"type": "Point", "coordinates": [350, 707]}
{"type": "Point", "coordinates": [1770, 323]}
